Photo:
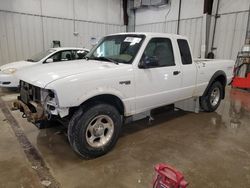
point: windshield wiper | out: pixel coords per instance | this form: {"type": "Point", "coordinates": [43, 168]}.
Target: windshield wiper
{"type": "Point", "coordinates": [30, 60]}
{"type": "Point", "coordinates": [107, 59]}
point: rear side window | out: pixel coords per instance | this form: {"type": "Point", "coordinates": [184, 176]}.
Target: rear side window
{"type": "Point", "coordinates": [184, 51]}
{"type": "Point", "coordinates": [79, 54]}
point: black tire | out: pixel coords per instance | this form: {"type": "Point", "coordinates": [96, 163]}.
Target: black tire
{"type": "Point", "coordinates": [205, 101]}
{"type": "Point", "coordinates": [78, 127]}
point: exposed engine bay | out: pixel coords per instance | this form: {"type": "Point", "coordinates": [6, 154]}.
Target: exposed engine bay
{"type": "Point", "coordinates": [36, 103]}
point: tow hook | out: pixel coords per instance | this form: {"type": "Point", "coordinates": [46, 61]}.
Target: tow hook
{"type": "Point", "coordinates": [27, 113]}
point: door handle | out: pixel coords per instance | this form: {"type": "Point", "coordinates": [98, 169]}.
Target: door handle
{"type": "Point", "coordinates": [176, 72]}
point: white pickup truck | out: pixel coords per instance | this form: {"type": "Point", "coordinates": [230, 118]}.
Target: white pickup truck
{"type": "Point", "coordinates": [125, 75]}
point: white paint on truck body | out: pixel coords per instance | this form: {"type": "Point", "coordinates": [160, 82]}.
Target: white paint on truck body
{"type": "Point", "coordinates": [75, 82]}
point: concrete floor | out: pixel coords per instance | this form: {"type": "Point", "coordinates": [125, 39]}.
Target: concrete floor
{"type": "Point", "coordinates": [211, 149]}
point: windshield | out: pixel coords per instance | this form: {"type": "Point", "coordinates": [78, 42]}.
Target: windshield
{"type": "Point", "coordinates": [117, 48]}
{"type": "Point", "coordinates": [40, 55]}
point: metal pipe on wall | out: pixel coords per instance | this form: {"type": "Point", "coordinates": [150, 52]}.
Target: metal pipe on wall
{"type": "Point", "coordinates": [74, 16]}
{"type": "Point", "coordinates": [178, 21]}
{"type": "Point", "coordinates": [41, 10]}
{"type": "Point", "coordinates": [129, 15]}
{"type": "Point", "coordinates": [75, 32]}
{"type": "Point", "coordinates": [215, 22]}
{"type": "Point", "coordinates": [165, 18]}
{"type": "Point", "coordinates": [247, 40]}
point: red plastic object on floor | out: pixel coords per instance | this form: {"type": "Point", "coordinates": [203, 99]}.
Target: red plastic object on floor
{"type": "Point", "coordinates": [168, 177]}
{"type": "Point", "coordinates": [240, 82]}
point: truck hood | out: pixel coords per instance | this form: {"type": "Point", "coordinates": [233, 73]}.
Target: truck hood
{"type": "Point", "coordinates": [42, 75]}
{"type": "Point", "coordinates": [17, 65]}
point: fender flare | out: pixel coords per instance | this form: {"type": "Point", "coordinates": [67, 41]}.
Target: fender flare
{"type": "Point", "coordinates": [112, 93]}
{"type": "Point", "coordinates": [213, 78]}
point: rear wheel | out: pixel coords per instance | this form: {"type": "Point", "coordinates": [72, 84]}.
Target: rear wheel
{"type": "Point", "coordinates": [211, 100]}
{"type": "Point", "coordinates": [94, 131]}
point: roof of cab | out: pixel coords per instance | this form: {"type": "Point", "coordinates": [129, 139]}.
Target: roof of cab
{"type": "Point", "coordinates": [152, 34]}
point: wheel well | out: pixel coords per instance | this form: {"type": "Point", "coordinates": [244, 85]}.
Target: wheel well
{"type": "Point", "coordinates": [221, 79]}
{"type": "Point", "coordinates": [219, 76]}
{"type": "Point", "coordinates": [105, 98]}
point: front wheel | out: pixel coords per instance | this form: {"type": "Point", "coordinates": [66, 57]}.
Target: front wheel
{"type": "Point", "coordinates": [212, 99]}
{"type": "Point", "coordinates": [94, 131]}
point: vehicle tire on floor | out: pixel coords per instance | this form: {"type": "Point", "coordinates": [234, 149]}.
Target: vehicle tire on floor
{"type": "Point", "coordinates": [211, 100]}
{"type": "Point", "coordinates": [94, 130]}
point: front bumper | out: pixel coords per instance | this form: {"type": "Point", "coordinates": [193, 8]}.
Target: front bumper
{"type": "Point", "coordinates": [38, 104]}
{"type": "Point", "coordinates": [8, 80]}
{"type": "Point", "coordinates": [34, 112]}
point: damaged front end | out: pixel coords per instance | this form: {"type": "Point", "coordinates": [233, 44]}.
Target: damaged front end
{"type": "Point", "coordinates": [33, 114]}
{"type": "Point", "coordinates": [35, 103]}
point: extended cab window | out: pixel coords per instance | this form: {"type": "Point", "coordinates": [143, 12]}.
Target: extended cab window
{"type": "Point", "coordinates": [184, 51]}
{"type": "Point", "coordinates": [79, 54]}
{"type": "Point", "coordinates": [159, 53]}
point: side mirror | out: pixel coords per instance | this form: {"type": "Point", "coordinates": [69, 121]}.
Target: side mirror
{"type": "Point", "coordinates": [49, 60]}
{"type": "Point", "coordinates": [148, 62]}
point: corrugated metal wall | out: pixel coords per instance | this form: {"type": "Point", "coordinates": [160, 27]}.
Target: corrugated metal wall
{"type": "Point", "coordinates": [191, 27]}
{"type": "Point", "coordinates": [230, 34]}
{"type": "Point", "coordinates": [87, 30]}
{"type": "Point", "coordinates": [20, 36]}
{"type": "Point", "coordinates": [24, 33]}
{"type": "Point", "coordinates": [230, 30]}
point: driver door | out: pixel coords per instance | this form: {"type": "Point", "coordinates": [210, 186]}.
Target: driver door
{"type": "Point", "coordinates": [159, 83]}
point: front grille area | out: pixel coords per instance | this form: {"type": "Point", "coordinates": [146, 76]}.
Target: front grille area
{"type": "Point", "coordinates": [29, 93]}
